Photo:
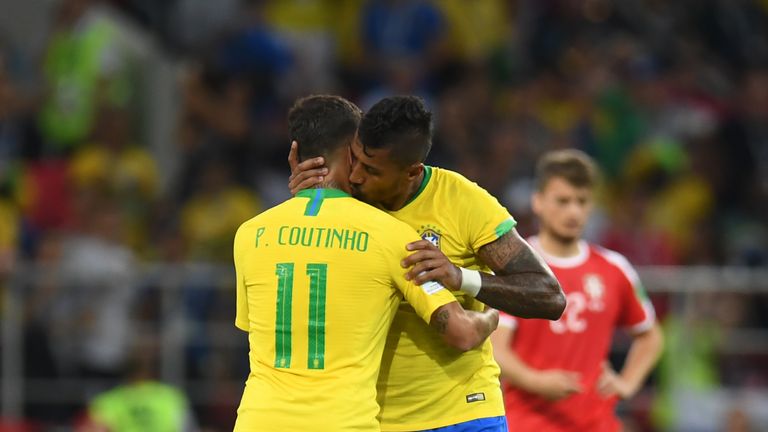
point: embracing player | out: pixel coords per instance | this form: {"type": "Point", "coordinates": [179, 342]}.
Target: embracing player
{"type": "Point", "coordinates": [424, 385]}
{"type": "Point", "coordinates": [318, 284]}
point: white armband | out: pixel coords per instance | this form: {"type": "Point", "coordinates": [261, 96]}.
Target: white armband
{"type": "Point", "coordinates": [470, 281]}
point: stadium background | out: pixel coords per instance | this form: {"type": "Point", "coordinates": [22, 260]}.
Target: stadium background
{"type": "Point", "coordinates": [135, 136]}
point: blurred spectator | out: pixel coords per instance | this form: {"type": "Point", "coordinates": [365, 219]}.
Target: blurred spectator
{"type": "Point", "coordinates": [397, 30]}
{"type": "Point", "coordinates": [753, 103]}
{"type": "Point", "coordinates": [141, 403]}
{"type": "Point", "coordinates": [226, 385]}
{"type": "Point", "coordinates": [214, 212]}
{"type": "Point", "coordinates": [84, 67]}
{"type": "Point", "coordinates": [466, 114]}
{"type": "Point", "coordinates": [17, 425]}
{"type": "Point", "coordinates": [9, 227]}
{"type": "Point", "coordinates": [219, 118]}
{"type": "Point", "coordinates": [557, 105]}
{"type": "Point", "coordinates": [255, 52]}
{"type": "Point", "coordinates": [673, 200]}
{"type": "Point", "coordinates": [628, 232]}
{"type": "Point", "coordinates": [475, 32]}
{"type": "Point", "coordinates": [13, 109]}
{"type": "Point", "coordinates": [306, 28]}
{"type": "Point", "coordinates": [737, 167]}
{"type": "Point", "coordinates": [112, 162]}
{"type": "Point", "coordinates": [737, 421]}
{"type": "Point", "coordinates": [688, 368]}
{"type": "Point", "coordinates": [40, 295]}
{"type": "Point", "coordinates": [402, 76]}
{"type": "Point", "coordinates": [96, 299]}
{"type": "Point", "coordinates": [209, 220]}
{"type": "Point", "coordinates": [193, 23]}
{"type": "Point", "coordinates": [617, 126]}
{"type": "Point", "coordinates": [217, 114]}
{"type": "Point", "coordinates": [46, 195]}
{"type": "Point", "coordinates": [693, 392]}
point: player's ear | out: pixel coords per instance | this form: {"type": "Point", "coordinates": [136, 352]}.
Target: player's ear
{"type": "Point", "coordinates": [415, 170]}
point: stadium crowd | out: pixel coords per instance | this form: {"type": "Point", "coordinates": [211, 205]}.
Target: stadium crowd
{"type": "Point", "coordinates": [670, 98]}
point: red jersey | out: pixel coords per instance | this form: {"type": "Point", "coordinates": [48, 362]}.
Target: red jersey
{"type": "Point", "coordinates": [604, 293]}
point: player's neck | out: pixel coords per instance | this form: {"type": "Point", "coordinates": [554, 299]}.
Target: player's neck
{"type": "Point", "coordinates": [413, 188]}
{"type": "Point", "coordinates": [329, 184]}
{"type": "Point", "coordinates": [404, 199]}
{"type": "Point", "coordinates": [558, 246]}
{"type": "Point", "coordinates": [335, 180]}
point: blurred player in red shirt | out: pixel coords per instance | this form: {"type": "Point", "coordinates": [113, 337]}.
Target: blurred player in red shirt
{"type": "Point", "coordinates": [556, 372]}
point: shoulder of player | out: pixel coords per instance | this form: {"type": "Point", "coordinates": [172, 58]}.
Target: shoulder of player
{"type": "Point", "coordinates": [392, 227]}
{"type": "Point", "coordinates": [376, 220]}
{"type": "Point", "coordinates": [386, 230]}
{"type": "Point", "coordinates": [450, 184]}
{"type": "Point", "coordinates": [245, 230]}
{"type": "Point", "coordinates": [615, 260]}
{"type": "Point", "coordinates": [263, 217]}
{"type": "Point", "coordinates": [453, 179]}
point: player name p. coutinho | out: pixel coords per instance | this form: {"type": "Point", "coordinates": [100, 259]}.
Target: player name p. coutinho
{"type": "Point", "coordinates": [317, 237]}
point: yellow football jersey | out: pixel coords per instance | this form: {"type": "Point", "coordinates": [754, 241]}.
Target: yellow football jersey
{"type": "Point", "coordinates": [318, 284]}
{"type": "Point", "coordinates": [424, 384]}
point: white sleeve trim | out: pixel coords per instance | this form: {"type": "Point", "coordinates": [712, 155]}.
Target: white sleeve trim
{"type": "Point", "coordinates": [623, 264]}
{"type": "Point", "coordinates": [630, 273]}
{"type": "Point", "coordinates": [646, 324]}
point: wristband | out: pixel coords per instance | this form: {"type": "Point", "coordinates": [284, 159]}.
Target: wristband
{"type": "Point", "coordinates": [470, 281]}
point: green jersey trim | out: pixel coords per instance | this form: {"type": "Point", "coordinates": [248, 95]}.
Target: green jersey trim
{"type": "Point", "coordinates": [316, 197]}
{"type": "Point", "coordinates": [423, 185]}
{"type": "Point", "coordinates": [505, 227]}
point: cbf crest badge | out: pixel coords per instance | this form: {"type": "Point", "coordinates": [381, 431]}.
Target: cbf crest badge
{"type": "Point", "coordinates": [431, 234]}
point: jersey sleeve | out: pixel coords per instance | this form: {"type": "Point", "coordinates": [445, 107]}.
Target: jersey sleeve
{"type": "Point", "coordinates": [425, 299]}
{"type": "Point", "coordinates": [636, 314]}
{"type": "Point", "coordinates": [487, 219]}
{"type": "Point", "coordinates": [241, 314]}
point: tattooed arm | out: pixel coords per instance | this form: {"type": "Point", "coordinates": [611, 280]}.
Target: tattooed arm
{"type": "Point", "coordinates": [523, 285]}
{"type": "Point", "coordinates": [463, 330]}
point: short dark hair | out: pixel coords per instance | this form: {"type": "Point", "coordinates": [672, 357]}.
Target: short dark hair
{"type": "Point", "coordinates": [402, 123]}
{"type": "Point", "coordinates": [573, 166]}
{"type": "Point", "coordinates": [322, 123]}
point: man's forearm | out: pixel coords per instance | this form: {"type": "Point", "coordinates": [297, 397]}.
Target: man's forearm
{"type": "Point", "coordinates": [523, 285]}
{"type": "Point", "coordinates": [513, 370]}
{"type": "Point", "coordinates": [485, 323]}
{"type": "Point", "coordinates": [526, 295]}
{"type": "Point", "coordinates": [643, 354]}
{"type": "Point", "coordinates": [464, 330]}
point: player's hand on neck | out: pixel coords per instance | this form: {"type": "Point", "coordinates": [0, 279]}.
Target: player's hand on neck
{"type": "Point", "coordinates": [314, 173]}
{"type": "Point", "coordinates": [305, 174]}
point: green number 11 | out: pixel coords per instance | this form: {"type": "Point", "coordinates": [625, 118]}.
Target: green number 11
{"type": "Point", "coordinates": [316, 330]}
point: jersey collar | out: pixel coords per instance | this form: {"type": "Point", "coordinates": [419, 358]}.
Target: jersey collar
{"type": "Point", "coordinates": [423, 185]}
{"type": "Point", "coordinates": [316, 198]}
{"type": "Point", "coordinates": [324, 193]}
{"type": "Point", "coordinates": [562, 262]}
